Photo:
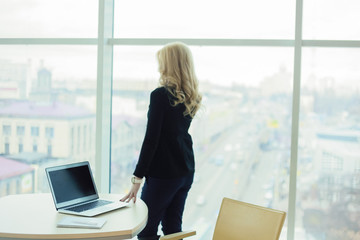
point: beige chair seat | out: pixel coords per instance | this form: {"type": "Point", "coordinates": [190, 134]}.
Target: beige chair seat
{"type": "Point", "coordinates": [242, 221]}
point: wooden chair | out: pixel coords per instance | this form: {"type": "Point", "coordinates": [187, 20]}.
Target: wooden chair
{"type": "Point", "coordinates": [242, 221]}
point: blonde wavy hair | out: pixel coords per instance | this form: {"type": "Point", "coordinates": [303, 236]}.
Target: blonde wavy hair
{"type": "Point", "coordinates": [177, 75]}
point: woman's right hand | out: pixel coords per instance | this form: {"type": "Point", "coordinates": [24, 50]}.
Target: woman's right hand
{"type": "Point", "coordinates": [132, 194]}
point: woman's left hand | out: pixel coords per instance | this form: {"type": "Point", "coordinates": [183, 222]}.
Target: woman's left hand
{"type": "Point", "coordinates": [132, 194]}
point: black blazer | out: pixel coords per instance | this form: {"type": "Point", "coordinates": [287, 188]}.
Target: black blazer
{"type": "Point", "coordinates": [167, 149]}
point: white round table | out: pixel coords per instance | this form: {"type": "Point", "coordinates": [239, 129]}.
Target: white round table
{"type": "Point", "coordinates": [33, 216]}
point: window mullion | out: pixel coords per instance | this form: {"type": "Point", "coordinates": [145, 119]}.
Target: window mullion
{"type": "Point", "coordinates": [104, 95]}
{"type": "Point", "coordinates": [295, 121]}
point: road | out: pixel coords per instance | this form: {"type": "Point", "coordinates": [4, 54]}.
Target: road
{"type": "Point", "coordinates": [235, 167]}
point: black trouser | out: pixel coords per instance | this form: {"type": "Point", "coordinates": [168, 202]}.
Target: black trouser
{"type": "Point", "coordinates": [165, 199]}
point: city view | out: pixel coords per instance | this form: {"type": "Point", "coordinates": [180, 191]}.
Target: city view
{"type": "Point", "coordinates": [242, 140]}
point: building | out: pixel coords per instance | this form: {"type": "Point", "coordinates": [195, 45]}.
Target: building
{"type": "Point", "coordinates": [46, 128]}
{"type": "Point", "coordinates": [15, 177]}
{"type": "Point", "coordinates": [13, 80]}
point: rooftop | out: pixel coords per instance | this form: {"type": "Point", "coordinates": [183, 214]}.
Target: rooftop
{"type": "Point", "coordinates": [29, 109]}
{"type": "Point", "coordinates": [11, 168]}
{"type": "Point", "coordinates": [28, 157]}
{"type": "Point", "coordinates": [131, 121]}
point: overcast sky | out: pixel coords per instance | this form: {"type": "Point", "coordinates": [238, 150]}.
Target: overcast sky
{"type": "Point", "coordinates": [263, 19]}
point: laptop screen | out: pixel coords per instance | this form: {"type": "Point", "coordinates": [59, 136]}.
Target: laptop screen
{"type": "Point", "coordinates": [71, 184]}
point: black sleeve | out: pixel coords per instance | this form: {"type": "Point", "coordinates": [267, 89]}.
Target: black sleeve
{"type": "Point", "coordinates": [152, 135]}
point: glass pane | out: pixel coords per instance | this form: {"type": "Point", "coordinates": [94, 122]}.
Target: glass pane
{"type": "Point", "coordinates": [331, 20]}
{"type": "Point", "coordinates": [47, 113]}
{"type": "Point", "coordinates": [205, 19]}
{"type": "Point", "coordinates": [241, 135]}
{"type": "Point", "coordinates": [328, 192]}
{"type": "Point", "coordinates": [43, 18]}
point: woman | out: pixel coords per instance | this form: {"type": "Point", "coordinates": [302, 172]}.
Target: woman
{"type": "Point", "coordinates": [166, 158]}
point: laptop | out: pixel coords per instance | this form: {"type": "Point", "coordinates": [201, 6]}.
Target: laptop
{"type": "Point", "coordinates": [74, 192]}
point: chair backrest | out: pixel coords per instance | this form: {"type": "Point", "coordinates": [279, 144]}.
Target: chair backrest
{"type": "Point", "coordinates": [243, 221]}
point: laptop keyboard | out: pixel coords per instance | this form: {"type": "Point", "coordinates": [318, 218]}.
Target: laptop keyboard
{"type": "Point", "coordinates": [87, 206]}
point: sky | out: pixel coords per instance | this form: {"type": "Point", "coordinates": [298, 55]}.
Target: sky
{"type": "Point", "coordinates": [323, 19]}
{"type": "Point", "coordinates": [256, 19]}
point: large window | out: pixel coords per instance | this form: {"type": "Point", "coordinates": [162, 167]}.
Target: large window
{"type": "Point", "coordinates": [46, 90]}
{"type": "Point", "coordinates": [241, 135]}
{"type": "Point", "coordinates": [331, 20]}
{"type": "Point", "coordinates": [329, 143]}
{"type": "Point", "coordinates": [47, 19]}
{"type": "Point", "coordinates": [204, 19]}
{"type": "Point", "coordinates": [279, 125]}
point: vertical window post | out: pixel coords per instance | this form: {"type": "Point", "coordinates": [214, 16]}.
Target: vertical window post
{"type": "Point", "coordinates": [104, 95]}
{"type": "Point", "coordinates": [295, 121]}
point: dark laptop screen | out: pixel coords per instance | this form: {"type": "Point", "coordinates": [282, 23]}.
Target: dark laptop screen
{"type": "Point", "coordinates": [72, 183]}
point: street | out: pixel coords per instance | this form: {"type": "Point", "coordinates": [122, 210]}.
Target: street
{"type": "Point", "coordinates": [237, 168]}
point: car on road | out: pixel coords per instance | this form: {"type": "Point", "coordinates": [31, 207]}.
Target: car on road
{"type": "Point", "coordinates": [218, 159]}
{"type": "Point", "coordinates": [200, 201]}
